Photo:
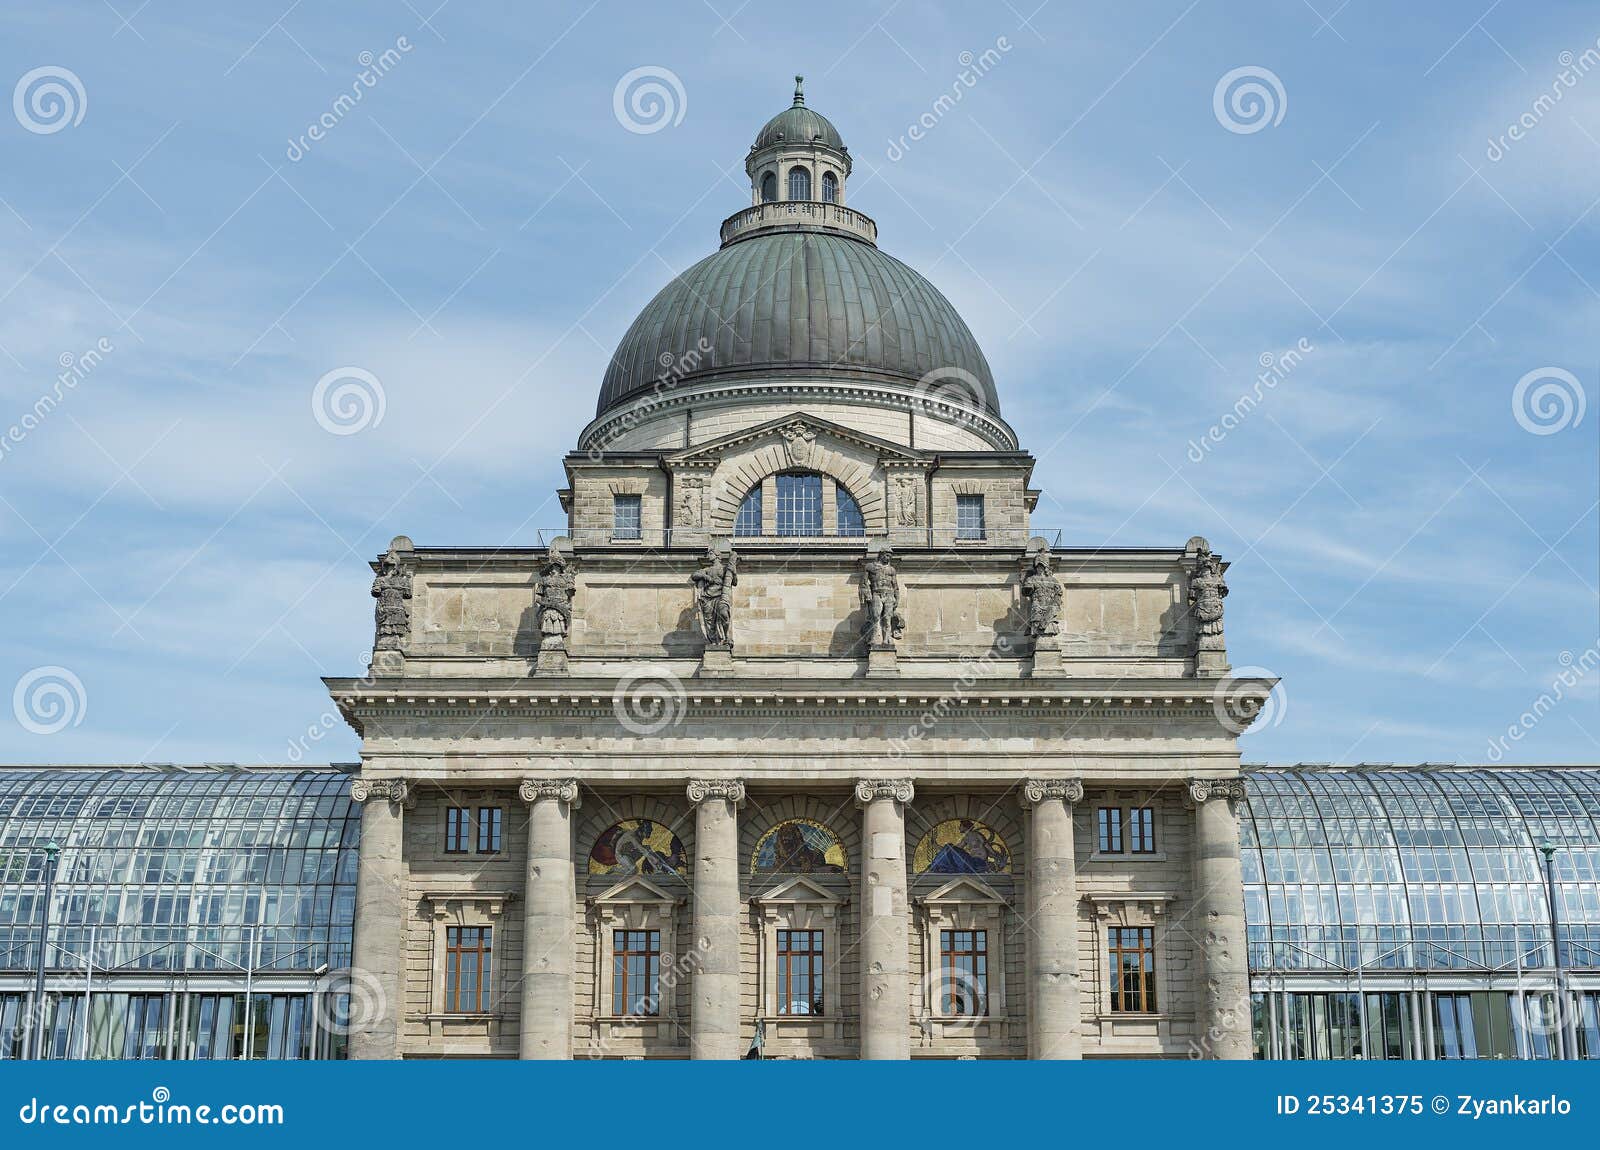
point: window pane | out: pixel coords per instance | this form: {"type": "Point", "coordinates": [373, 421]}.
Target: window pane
{"type": "Point", "coordinates": [851, 521]}
{"type": "Point", "coordinates": [799, 505]}
{"type": "Point", "coordinates": [969, 517]}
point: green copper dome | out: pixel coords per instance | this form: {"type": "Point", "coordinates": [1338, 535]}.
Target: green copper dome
{"type": "Point", "coordinates": [814, 304]}
{"type": "Point", "coordinates": [798, 124]}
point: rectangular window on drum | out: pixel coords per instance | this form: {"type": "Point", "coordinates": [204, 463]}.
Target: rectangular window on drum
{"type": "Point", "coordinates": [964, 959]}
{"type": "Point", "coordinates": [636, 973]}
{"type": "Point", "coordinates": [466, 970]}
{"type": "Point", "coordinates": [626, 516]}
{"type": "Point", "coordinates": [969, 517]}
{"type": "Point", "coordinates": [1108, 824]}
{"type": "Point", "coordinates": [799, 972]}
{"type": "Point", "coordinates": [1141, 831]}
{"type": "Point", "coordinates": [1131, 960]}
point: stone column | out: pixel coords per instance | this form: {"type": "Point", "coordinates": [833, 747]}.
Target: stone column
{"type": "Point", "coordinates": [376, 961]}
{"type": "Point", "coordinates": [1216, 922]}
{"type": "Point", "coordinates": [549, 919]}
{"type": "Point", "coordinates": [885, 921]}
{"type": "Point", "coordinates": [714, 1009]}
{"type": "Point", "coordinates": [1052, 928]}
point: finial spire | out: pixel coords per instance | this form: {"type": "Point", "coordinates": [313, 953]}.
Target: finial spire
{"type": "Point", "coordinates": [799, 91]}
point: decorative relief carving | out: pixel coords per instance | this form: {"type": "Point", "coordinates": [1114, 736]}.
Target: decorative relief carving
{"type": "Point", "coordinates": [1035, 791]}
{"type": "Point", "coordinates": [713, 594]}
{"type": "Point", "coordinates": [558, 584]}
{"type": "Point", "coordinates": [801, 441]}
{"type": "Point", "coordinates": [690, 508]}
{"type": "Point", "coordinates": [700, 790]}
{"type": "Point", "coordinates": [395, 790]}
{"type": "Point", "coordinates": [907, 498]}
{"type": "Point", "coordinates": [880, 598]}
{"type": "Point", "coordinates": [900, 790]}
{"type": "Point", "coordinates": [1041, 591]}
{"type": "Point", "coordinates": [1202, 789]}
{"type": "Point", "coordinates": [562, 790]}
{"type": "Point", "coordinates": [392, 590]}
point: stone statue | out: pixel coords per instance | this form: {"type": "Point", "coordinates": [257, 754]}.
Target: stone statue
{"type": "Point", "coordinates": [1207, 590]}
{"type": "Point", "coordinates": [1042, 592]}
{"type": "Point", "coordinates": [880, 597]}
{"type": "Point", "coordinates": [392, 589]}
{"type": "Point", "coordinates": [906, 511]}
{"type": "Point", "coordinates": [713, 594]}
{"type": "Point", "coordinates": [557, 585]}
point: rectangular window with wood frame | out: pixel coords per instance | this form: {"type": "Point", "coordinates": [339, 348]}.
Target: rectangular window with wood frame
{"type": "Point", "coordinates": [636, 973]}
{"type": "Point", "coordinates": [964, 959]}
{"type": "Point", "coordinates": [466, 970]}
{"type": "Point", "coordinates": [457, 830]}
{"type": "Point", "coordinates": [1125, 830]}
{"type": "Point", "coordinates": [1132, 962]}
{"type": "Point", "coordinates": [488, 830]}
{"type": "Point", "coordinates": [799, 972]}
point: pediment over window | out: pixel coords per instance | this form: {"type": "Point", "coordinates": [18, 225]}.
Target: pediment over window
{"type": "Point", "coordinates": [634, 890]}
{"type": "Point", "coordinates": [798, 889]}
{"type": "Point", "coordinates": [964, 890]}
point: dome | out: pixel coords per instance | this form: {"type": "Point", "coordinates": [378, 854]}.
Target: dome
{"type": "Point", "coordinates": [798, 303]}
{"type": "Point", "coordinates": [798, 124]}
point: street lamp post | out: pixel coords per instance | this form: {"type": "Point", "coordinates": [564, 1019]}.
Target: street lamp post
{"type": "Point", "coordinates": [1548, 850]}
{"type": "Point", "coordinates": [36, 1031]}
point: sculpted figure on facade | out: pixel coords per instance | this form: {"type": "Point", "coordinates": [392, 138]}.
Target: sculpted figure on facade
{"type": "Point", "coordinates": [1041, 590]}
{"type": "Point", "coordinates": [558, 584]}
{"type": "Point", "coordinates": [1206, 593]}
{"type": "Point", "coordinates": [907, 513]}
{"type": "Point", "coordinates": [691, 501]}
{"type": "Point", "coordinates": [392, 589]}
{"type": "Point", "coordinates": [880, 597]}
{"type": "Point", "coordinates": [713, 594]}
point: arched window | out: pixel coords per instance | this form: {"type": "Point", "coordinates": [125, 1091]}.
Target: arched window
{"type": "Point", "coordinates": [800, 504]}
{"type": "Point", "coordinates": [851, 521]}
{"type": "Point", "coordinates": [799, 184]}
{"type": "Point", "coordinates": [748, 521]}
{"type": "Point", "coordinates": [830, 188]}
{"type": "Point", "coordinates": [769, 187]}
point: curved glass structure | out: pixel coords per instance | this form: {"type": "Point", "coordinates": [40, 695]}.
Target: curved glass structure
{"type": "Point", "coordinates": [200, 912]}
{"type": "Point", "coordinates": [1418, 897]}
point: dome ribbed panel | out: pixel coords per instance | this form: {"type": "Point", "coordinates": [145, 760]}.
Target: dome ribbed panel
{"type": "Point", "coordinates": [796, 303]}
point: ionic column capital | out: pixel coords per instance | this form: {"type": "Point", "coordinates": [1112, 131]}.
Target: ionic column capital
{"type": "Point", "coordinates": [1036, 791]}
{"type": "Point", "coordinates": [1202, 789]}
{"type": "Point", "coordinates": [562, 790]}
{"type": "Point", "coordinates": [397, 791]}
{"type": "Point", "coordinates": [900, 790]}
{"type": "Point", "coordinates": [699, 790]}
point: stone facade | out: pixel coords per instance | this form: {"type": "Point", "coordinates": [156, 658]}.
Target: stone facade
{"type": "Point", "coordinates": [902, 805]}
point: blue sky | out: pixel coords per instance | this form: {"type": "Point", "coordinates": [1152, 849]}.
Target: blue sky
{"type": "Point", "coordinates": [183, 536]}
